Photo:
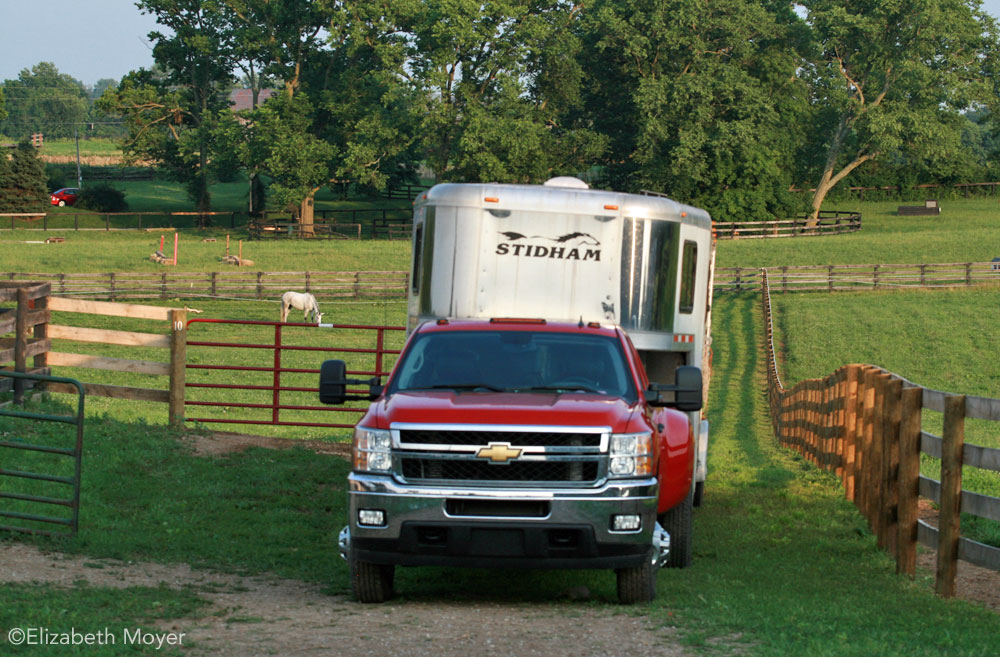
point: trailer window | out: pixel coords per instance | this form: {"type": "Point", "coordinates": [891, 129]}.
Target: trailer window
{"type": "Point", "coordinates": [418, 251]}
{"type": "Point", "coordinates": [689, 271]}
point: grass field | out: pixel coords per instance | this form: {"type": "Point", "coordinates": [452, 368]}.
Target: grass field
{"type": "Point", "coordinates": [965, 231]}
{"type": "Point", "coordinates": [88, 147]}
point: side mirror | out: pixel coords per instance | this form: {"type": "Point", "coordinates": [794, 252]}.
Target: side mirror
{"type": "Point", "coordinates": [333, 384]}
{"type": "Point", "coordinates": [687, 390]}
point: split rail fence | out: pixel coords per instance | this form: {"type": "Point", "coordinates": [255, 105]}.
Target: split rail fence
{"type": "Point", "coordinates": [831, 222]}
{"type": "Point", "coordinates": [865, 424]}
{"type": "Point", "coordinates": [833, 278]}
{"type": "Point", "coordinates": [324, 285]}
{"type": "Point", "coordinates": [32, 315]}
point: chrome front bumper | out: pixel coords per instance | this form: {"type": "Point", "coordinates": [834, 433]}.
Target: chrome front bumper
{"type": "Point", "coordinates": [581, 518]}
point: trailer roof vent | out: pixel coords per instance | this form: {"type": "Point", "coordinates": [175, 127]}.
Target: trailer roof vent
{"type": "Point", "coordinates": [566, 181]}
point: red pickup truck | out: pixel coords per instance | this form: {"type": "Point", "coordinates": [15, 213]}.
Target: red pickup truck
{"type": "Point", "coordinates": [545, 411]}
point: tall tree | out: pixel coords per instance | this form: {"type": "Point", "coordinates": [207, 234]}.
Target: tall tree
{"type": "Point", "coordinates": [496, 82]}
{"type": "Point", "coordinates": [890, 79]}
{"type": "Point", "coordinates": [44, 100]}
{"type": "Point", "coordinates": [171, 115]}
{"type": "Point", "coordinates": [699, 99]}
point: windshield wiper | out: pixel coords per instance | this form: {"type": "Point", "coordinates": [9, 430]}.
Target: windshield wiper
{"type": "Point", "coordinates": [563, 388]}
{"type": "Point", "coordinates": [465, 386]}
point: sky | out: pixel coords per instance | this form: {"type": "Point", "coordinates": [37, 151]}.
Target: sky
{"type": "Point", "coordinates": [94, 39]}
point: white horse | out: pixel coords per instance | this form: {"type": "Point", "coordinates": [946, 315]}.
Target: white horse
{"type": "Point", "coordinates": [300, 301]}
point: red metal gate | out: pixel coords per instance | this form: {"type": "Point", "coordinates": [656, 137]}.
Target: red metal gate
{"type": "Point", "coordinates": [234, 377]}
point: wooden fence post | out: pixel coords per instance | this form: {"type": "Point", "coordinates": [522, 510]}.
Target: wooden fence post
{"type": "Point", "coordinates": [890, 464]}
{"type": "Point", "coordinates": [953, 443]}
{"type": "Point", "coordinates": [20, 343]}
{"type": "Point", "coordinates": [849, 429]}
{"type": "Point", "coordinates": [909, 479]}
{"type": "Point", "coordinates": [42, 331]}
{"type": "Point", "coordinates": [178, 360]}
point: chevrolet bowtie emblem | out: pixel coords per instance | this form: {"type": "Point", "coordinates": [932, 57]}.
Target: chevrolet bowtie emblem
{"type": "Point", "coordinates": [498, 453]}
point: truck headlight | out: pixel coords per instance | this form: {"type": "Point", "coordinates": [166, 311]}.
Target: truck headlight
{"type": "Point", "coordinates": [372, 450]}
{"type": "Point", "coordinates": [631, 455]}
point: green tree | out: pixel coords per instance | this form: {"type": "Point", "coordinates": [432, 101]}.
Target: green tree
{"type": "Point", "coordinates": [3, 106]}
{"type": "Point", "coordinates": [23, 181]}
{"type": "Point", "coordinates": [890, 79]}
{"type": "Point", "coordinates": [44, 100]}
{"type": "Point", "coordinates": [699, 99]}
{"type": "Point", "coordinates": [170, 116]}
{"type": "Point", "coordinates": [495, 84]}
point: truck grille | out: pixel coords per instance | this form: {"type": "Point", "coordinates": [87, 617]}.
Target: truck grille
{"type": "Point", "coordinates": [548, 456]}
{"type": "Point", "coordinates": [518, 471]}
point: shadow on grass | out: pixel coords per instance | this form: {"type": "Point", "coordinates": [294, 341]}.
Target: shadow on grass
{"type": "Point", "coordinates": [736, 390]}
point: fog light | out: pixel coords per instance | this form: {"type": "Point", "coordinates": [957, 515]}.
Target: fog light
{"type": "Point", "coordinates": [371, 517]}
{"type": "Point", "coordinates": [626, 523]}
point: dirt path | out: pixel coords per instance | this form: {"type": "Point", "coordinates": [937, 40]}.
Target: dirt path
{"type": "Point", "coordinates": [271, 616]}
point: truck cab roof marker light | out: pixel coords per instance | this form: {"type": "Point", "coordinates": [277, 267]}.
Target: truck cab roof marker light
{"type": "Point", "coordinates": [491, 199]}
{"type": "Point", "coordinates": [610, 207]}
{"type": "Point", "coordinates": [442, 322]}
{"type": "Point", "coordinates": [517, 320]}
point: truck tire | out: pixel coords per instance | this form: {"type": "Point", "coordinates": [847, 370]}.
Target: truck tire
{"type": "Point", "coordinates": [371, 582]}
{"type": "Point", "coordinates": [637, 584]}
{"type": "Point", "coordinates": [678, 523]}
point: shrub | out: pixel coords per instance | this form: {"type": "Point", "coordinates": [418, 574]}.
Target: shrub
{"type": "Point", "coordinates": [102, 197]}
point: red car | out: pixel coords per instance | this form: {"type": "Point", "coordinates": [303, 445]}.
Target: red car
{"type": "Point", "coordinates": [65, 196]}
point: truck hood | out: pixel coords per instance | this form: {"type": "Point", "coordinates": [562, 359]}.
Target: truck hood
{"type": "Point", "coordinates": [539, 409]}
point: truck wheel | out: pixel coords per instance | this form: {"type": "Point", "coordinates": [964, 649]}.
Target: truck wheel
{"type": "Point", "coordinates": [677, 522]}
{"type": "Point", "coordinates": [371, 582]}
{"type": "Point", "coordinates": [637, 584]}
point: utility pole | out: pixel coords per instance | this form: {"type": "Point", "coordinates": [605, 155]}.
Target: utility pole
{"type": "Point", "coordinates": [79, 177]}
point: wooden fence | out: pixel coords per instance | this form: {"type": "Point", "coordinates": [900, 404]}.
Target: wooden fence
{"type": "Point", "coordinates": [34, 306]}
{"type": "Point", "coordinates": [966, 189]}
{"type": "Point", "coordinates": [116, 221]}
{"type": "Point", "coordinates": [830, 278]}
{"type": "Point", "coordinates": [864, 423]}
{"type": "Point", "coordinates": [325, 286]}
{"type": "Point", "coordinates": [831, 222]}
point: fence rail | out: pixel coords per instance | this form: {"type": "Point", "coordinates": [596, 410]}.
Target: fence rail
{"type": "Point", "coordinates": [864, 423]}
{"type": "Point", "coordinates": [831, 278]}
{"type": "Point", "coordinates": [325, 286]}
{"type": "Point", "coordinates": [831, 222]}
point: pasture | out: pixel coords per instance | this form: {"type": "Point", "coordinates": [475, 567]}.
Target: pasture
{"type": "Point", "coordinates": [784, 566]}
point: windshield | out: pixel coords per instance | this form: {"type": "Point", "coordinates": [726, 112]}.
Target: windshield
{"type": "Point", "coordinates": [515, 361]}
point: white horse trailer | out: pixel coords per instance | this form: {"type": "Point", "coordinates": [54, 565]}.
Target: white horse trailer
{"type": "Point", "coordinates": [562, 251]}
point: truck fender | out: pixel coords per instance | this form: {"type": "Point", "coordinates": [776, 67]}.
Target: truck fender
{"type": "Point", "coordinates": [675, 470]}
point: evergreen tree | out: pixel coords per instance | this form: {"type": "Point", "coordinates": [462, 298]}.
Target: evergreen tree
{"type": "Point", "coordinates": [23, 181]}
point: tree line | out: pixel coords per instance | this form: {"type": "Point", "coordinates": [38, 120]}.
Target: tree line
{"type": "Point", "coordinates": [726, 104]}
